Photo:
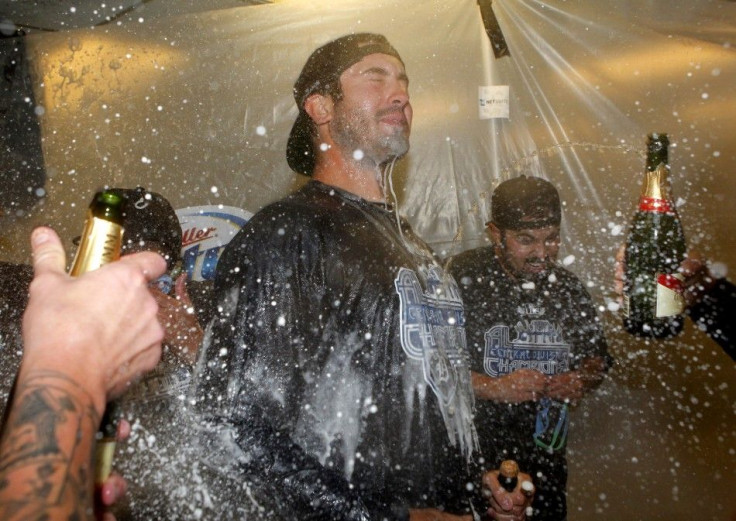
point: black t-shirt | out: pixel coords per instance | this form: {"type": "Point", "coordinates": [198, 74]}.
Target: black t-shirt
{"type": "Point", "coordinates": [549, 325]}
{"type": "Point", "coordinates": [714, 314]}
{"type": "Point", "coordinates": [337, 363]}
{"type": "Point", "coordinates": [14, 282]}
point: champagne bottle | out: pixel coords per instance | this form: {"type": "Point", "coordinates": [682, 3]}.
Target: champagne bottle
{"type": "Point", "coordinates": [508, 475]}
{"type": "Point", "coordinates": [655, 247]}
{"type": "Point", "coordinates": [101, 241]}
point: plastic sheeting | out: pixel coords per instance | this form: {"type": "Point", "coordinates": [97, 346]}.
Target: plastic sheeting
{"type": "Point", "coordinates": [198, 108]}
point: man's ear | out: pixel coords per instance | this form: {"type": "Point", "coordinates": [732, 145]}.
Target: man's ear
{"type": "Point", "coordinates": [319, 107]}
{"type": "Point", "coordinates": [494, 233]}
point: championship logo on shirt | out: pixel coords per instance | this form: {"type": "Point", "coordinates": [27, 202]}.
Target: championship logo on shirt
{"type": "Point", "coordinates": [432, 329]}
{"type": "Point", "coordinates": [206, 230]}
{"type": "Point", "coordinates": [537, 344]}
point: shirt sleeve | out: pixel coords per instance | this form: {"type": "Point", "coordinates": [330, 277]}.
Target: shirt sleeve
{"type": "Point", "coordinates": [714, 315]}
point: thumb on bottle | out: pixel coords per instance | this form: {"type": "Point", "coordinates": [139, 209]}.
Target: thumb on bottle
{"type": "Point", "coordinates": [48, 253]}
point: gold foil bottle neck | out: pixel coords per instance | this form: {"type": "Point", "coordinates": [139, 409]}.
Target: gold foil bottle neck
{"type": "Point", "coordinates": [656, 183]}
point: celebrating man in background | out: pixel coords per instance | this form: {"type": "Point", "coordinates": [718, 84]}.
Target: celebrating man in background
{"type": "Point", "coordinates": [535, 342]}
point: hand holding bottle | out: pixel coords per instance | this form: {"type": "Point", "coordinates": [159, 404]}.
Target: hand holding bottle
{"type": "Point", "coordinates": [84, 340]}
{"type": "Point", "coordinates": [504, 505]}
{"type": "Point", "coordinates": [696, 276]}
{"type": "Point", "coordinates": [117, 348]}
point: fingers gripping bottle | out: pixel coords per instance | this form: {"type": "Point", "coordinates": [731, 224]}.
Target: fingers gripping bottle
{"type": "Point", "coordinates": [655, 247]}
{"type": "Point", "coordinates": [101, 242]}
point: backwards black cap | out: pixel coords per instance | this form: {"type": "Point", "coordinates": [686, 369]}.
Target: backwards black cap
{"type": "Point", "coordinates": [149, 217]}
{"type": "Point", "coordinates": [321, 74]}
{"type": "Point", "coordinates": [525, 203]}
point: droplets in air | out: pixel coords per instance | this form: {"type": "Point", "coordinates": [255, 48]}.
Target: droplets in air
{"type": "Point", "coordinates": [719, 270]}
{"type": "Point", "coordinates": [358, 154]}
{"type": "Point", "coordinates": [615, 229]}
{"type": "Point", "coordinates": [7, 28]}
{"type": "Point", "coordinates": [260, 130]}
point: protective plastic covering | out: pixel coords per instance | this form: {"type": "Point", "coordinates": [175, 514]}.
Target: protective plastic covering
{"type": "Point", "coordinates": [198, 108]}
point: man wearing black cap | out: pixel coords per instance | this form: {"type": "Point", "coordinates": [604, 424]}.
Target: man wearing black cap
{"type": "Point", "coordinates": [337, 365]}
{"type": "Point", "coordinates": [534, 339]}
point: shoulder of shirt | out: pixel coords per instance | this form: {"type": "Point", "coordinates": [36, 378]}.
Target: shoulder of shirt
{"type": "Point", "coordinates": [475, 261]}
{"type": "Point", "coordinates": [570, 282]}
{"type": "Point", "coordinates": [310, 204]}
{"type": "Point", "coordinates": [565, 275]}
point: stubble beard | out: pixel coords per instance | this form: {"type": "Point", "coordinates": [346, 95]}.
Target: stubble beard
{"type": "Point", "coordinates": [352, 132]}
{"type": "Point", "coordinates": [396, 145]}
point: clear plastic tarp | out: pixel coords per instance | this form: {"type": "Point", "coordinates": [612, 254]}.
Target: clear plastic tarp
{"type": "Point", "coordinates": [198, 108]}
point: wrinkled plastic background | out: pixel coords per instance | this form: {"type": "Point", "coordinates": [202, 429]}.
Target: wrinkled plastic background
{"type": "Point", "coordinates": [198, 107]}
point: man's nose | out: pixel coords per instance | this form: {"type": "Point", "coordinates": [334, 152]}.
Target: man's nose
{"type": "Point", "coordinates": [539, 250]}
{"type": "Point", "coordinates": [399, 93]}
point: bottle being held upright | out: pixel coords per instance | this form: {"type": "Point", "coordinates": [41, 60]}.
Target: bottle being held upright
{"type": "Point", "coordinates": [100, 243]}
{"type": "Point", "coordinates": [655, 246]}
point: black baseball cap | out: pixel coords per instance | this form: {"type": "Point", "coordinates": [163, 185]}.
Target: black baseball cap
{"type": "Point", "coordinates": [525, 203]}
{"type": "Point", "coordinates": [321, 74]}
{"type": "Point", "coordinates": [149, 217]}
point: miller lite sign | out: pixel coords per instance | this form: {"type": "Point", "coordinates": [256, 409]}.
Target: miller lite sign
{"type": "Point", "coordinates": [205, 231]}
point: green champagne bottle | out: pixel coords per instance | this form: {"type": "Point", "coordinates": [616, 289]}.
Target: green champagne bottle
{"type": "Point", "coordinates": [101, 241]}
{"type": "Point", "coordinates": [655, 246]}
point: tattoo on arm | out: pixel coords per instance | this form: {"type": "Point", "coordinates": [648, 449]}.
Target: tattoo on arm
{"type": "Point", "coordinates": [46, 451]}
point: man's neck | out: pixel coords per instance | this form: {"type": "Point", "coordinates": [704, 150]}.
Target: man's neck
{"type": "Point", "coordinates": [365, 183]}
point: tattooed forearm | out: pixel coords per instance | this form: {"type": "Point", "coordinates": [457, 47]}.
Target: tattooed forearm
{"type": "Point", "coordinates": [46, 450]}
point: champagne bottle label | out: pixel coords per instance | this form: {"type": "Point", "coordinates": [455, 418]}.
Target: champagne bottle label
{"type": "Point", "coordinates": [100, 245]}
{"type": "Point", "coordinates": [104, 454]}
{"type": "Point", "coordinates": [670, 300]}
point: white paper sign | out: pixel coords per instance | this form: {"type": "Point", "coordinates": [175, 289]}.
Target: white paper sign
{"type": "Point", "coordinates": [493, 101]}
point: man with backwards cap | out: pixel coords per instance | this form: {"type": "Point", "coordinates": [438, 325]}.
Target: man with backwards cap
{"type": "Point", "coordinates": [534, 339]}
{"type": "Point", "coordinates": [337, 363]}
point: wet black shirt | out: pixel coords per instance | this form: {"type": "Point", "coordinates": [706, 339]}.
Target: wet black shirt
{"type": "Point", "coordinates": [14, 282]}
{"type": "Point", "coordinates": [550, 326]}
{"type": "Point", "coordinates": [714, 315]}
{"type": "Point", "coordinates": [336, 370]}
